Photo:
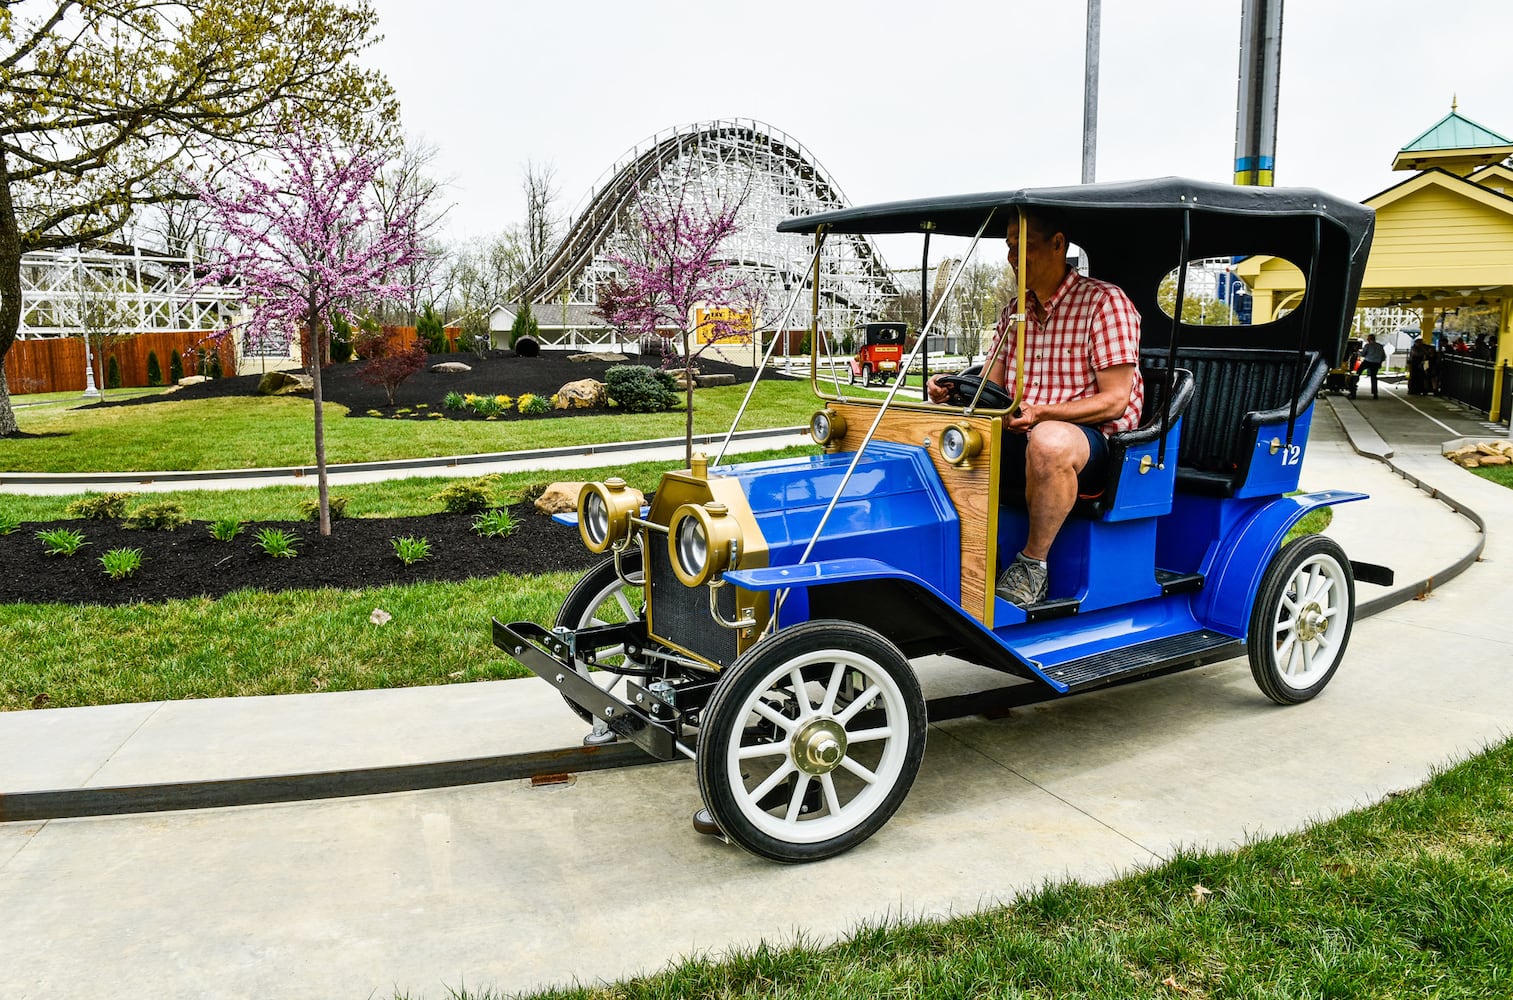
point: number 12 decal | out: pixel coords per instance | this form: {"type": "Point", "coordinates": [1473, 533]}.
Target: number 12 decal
{"type": "Point", "coordinates": [1292, 454]}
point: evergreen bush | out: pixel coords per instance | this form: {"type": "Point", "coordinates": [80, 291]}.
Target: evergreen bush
{"type": "Point", "coordinates": [154, 370]}
{"type": "Point", "coordinates": [525, 327]}
{"type": "Point", "coordinates": [113, 374]}
{"type": "Point", "coordinates": [341, 339]}
{"type": "Point", "coordinates": [175, 366]}
{"type": "Point", "coordinates": [429, 328]}
{"type": "Point", "coordinates": [639, 389]}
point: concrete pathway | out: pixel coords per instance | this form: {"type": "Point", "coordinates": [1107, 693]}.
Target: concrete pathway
{"type": "Point", "coordinates": [507, 885]}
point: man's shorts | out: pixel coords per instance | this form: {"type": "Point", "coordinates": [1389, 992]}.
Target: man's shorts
{"type": "Point", "coordinates": [1090, 480]}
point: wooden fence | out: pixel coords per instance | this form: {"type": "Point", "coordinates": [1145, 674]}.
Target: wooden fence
{"type": "Point", "coordinates": [56, 364]}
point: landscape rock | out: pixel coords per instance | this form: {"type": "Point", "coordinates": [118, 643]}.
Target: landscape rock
{"type": "Point", "coordinates": [585, 392]}
{"type": "Point", "coordinates": [599, 356]}
{"type": "Point", "coordinates": [283, 383]}
{"type": "Point", "coordinates": [562, 498]}
{"type": "Point", "coordinates": [707, 380]}
{"type": "Point", "coordinates": [452, 368]}
{"type": "Point", "coordinates": [192, 380]}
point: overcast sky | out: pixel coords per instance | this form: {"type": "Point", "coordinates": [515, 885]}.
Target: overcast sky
{"type": "Point", "coordinates": [901, 100]}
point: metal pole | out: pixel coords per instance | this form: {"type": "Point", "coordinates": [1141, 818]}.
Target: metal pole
{"type": "Point", "coordinates": [1260, 70]}
{"type": "Point", "coordinates": [924, 314]}
{"type": "Point", "coordinates": [1090, 93]}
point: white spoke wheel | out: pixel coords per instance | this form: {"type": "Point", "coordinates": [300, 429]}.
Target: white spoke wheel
{"type": "Point", "coordinates": [602, 598]}
{"type": "Point", "coordinates": [810, 741]}
{"type": "Point", "coordinates": [1301, 621]}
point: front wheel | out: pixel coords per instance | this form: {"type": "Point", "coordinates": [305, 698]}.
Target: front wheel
{"type": "Point", "coordinates": [1300, 624]}
{"type": "Point", "coordinates": [811, 741]}
{"type": "Point", "coordinates": [602, 598]}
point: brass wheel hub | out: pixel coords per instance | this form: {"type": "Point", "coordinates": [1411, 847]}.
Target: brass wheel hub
{"type": "Point", "coordinates": [819, 747]}
{"type": "Point", "coordinates": [1311, 622]}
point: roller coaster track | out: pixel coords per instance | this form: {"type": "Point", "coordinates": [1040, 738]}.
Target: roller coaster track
{"type": "Point", "coordinates": [777, 178]}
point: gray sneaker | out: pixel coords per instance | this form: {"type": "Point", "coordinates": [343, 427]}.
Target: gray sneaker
{"type": "Point", "coordinates": [1023, 582]}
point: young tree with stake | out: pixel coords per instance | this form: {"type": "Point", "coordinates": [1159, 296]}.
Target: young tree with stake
{"type": "Point", "coordinates": [310, 242]}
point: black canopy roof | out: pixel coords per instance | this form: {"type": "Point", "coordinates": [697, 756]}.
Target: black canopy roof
{"type": "Point", "coordinates": [1132, 233]}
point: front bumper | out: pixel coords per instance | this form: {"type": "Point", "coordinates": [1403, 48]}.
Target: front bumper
{"type": "Point", "coordinates": [651, 723]}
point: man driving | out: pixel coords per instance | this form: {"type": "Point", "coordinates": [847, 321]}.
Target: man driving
{"type": "Point", "coordinates": [1082, 383]}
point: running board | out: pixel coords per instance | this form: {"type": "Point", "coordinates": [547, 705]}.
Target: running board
{"type": "Point", "coordinates": [1190, 649]}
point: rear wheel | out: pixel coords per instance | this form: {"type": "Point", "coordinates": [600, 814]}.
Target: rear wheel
{"type": "Point", "coordinates": [1301, 621]}
{"type": "Point", "coordinates": [811, 741]}
{"type": "Point", "coordinates": [866, 374]}
{"type": "Point", "coordinates": [851, 375]}
{"type": "Point", "coordinates": [602, 598]}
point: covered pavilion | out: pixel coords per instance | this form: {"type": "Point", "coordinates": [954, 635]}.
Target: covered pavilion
{"type": "Point", "coordinates": [1444, 238]}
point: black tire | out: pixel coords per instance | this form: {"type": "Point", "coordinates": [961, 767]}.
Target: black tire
{"type": "Point", "coordinates": [602, 598]}
{"type": "Point", "coordinates": [806, 800]}
{"type": "Point", "coordinates": [1301, 621]}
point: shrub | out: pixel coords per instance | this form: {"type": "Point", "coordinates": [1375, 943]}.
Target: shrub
{"type": "Point", "coordinates": [213, 368]}
{"type": "Point", "coordinates": [277, 543]}
{"type": "Point", "coordinates": [495, 523]}
{"type": "Point", "coordinates": [113, 373]}
{"type": "Point", "coordinates": [62, 541]}
{"type": "Point", "coordinates": [163, 515]}
{"type": "Point", "coordinates": [8, 522]}
{"type": "Point", "coordinates": [225, 529]}
{"type": "Point", "coordinates": [121, 563]}
{"type": "Point", "coordinates": [429, 329]}
{"type": "Point", "coordinates": [341, 339]}
{"type": "Point", "coordinates": [390, 370]}
{"type": "Point", "coordinates": [175, 366]}
{"type": "Point", "coordinates": [530, 403]}
{"type": "Point", "coordinates": [524, 327]}
{"type": "Point", "coordinates": [533, 492]}
{"type": "Point", "coordinates": [410, 550]}
{"type": "Point", "coordinates": [639, 389]}
{"type": "Point", "coordinates": [99, 506]}
{"type": "Point", "coordinates": [468, 495]}
{"type": "Point", "coordinates": [487, 406]}
{"type": "Point", "coordinates": [309, 508]}
{"type": "Point", "coordinates": [154, 370]}
{"type": "Point", "coordinates": [453, 401]}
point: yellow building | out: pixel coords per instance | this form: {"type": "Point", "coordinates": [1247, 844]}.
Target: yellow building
{"type": "Point", "coordinates": [1444, 237]}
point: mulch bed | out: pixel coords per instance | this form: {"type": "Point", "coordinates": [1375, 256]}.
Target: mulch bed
{"type": "Point", "coordinates": [188, 562]}
{"type": "Point", "coordinates": [500, 373]}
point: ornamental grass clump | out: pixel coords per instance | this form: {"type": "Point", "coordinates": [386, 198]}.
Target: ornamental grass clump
{"type": "Point", "coordinates": [8, 523]}
{"type": "Point", "coordinates": [454, 401]}
{"type": "Point", "coordinates": [121, 563]}
{"type": "Point", "coordinates": [495, 523]}
{"type": "Point", "coordinates": [163, 515]}
{"type": "Point", "coordinates": [531, 404]}
{"type": "Point", "coordinates": [225, 529]}
{"type": "Point", "coordinates": [99, 506]}
{"type": "Point", "coordinates": [277, 543]}
{"type": "Point", "coordinates": [61, 541]}
{"type": "Point", "coordinates": [410, 550]}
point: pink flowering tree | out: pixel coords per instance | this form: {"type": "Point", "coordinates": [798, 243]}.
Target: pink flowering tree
{"type": "Point", "coordinates": [306, 239]}
{"type": "Point", "coordinates": [674, 268]}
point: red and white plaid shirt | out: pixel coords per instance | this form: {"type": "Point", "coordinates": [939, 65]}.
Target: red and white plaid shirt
{"type": "Point", "coordinates": [1090, 325]}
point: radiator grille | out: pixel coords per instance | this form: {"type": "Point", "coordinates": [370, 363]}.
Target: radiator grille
{"type": "Point", "coordinates": [679, 615]}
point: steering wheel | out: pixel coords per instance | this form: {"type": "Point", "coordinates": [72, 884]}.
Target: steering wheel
{"type": "Point", "coordinates": [963, 387]}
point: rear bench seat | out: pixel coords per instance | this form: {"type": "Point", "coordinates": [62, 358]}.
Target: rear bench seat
{"type": "Point", "coordinates": [1234, 440]}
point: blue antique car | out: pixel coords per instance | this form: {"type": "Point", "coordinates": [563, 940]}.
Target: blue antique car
{"type": "Point", "coordinates": [760, 618]}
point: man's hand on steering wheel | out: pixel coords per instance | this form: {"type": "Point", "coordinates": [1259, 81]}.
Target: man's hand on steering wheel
{"type": "Point", "coordinates": [959, 390]}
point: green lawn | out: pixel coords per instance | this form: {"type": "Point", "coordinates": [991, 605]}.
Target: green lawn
{"type": "Point", "coordinates": [258, 432]}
